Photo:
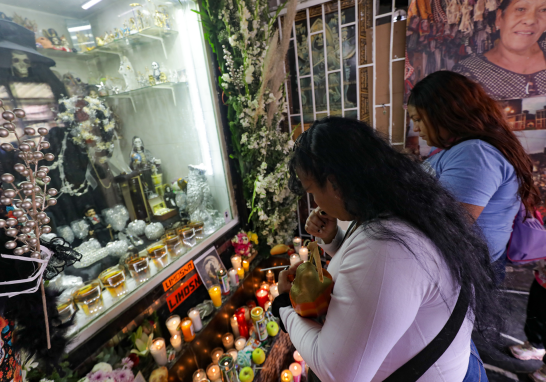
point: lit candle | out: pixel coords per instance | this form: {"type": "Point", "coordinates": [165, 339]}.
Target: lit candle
{"type": "Point", "coordinates": [233, 353]}
{"type": "Point", "coordinates": [247, 310]}
{"type": "Point", "coordinates": [213, 372]}
{"type": "Point", "coordinates": [240, 343]}
{"type": "Point", "coordinates": [236, 261]}
{"type": "Point", "coordinates": [234, 326]}
{"type": "Point", "coordinates": [176, 342]}
{"type": "Point", "coordinates": [304, 254]}
{"type": "Point", "coordinates": [173, 323]}
{"type": "Point", "coordinates": [199, 376]}
{"type": "Point", "coordinates": [295, 369]}
{"type": "Point", "coordinates": [264, 285]}
{"type": "Point", "coordinates": [241, 321]}
{"type": "Point", "coordinates": [267, 305]}
{"type": "Point", "coordinates": [294, 258]}
{"type": "Point", "coordinates": [159, 351]}
{"type": "Point", "coordinates": [262, 296]}
{"type": "Point", "coordinates": [246, 265]}
{"type": "Point", "coordinates": [227, 341]}
{"type": "Point", "coordinates": [216, 354]}
{"type": "Point", "coordinates": [270, 277]}
{"type": "Point", "coordinates": [297, 243]}
{"type": "Point", "coordinates": [286, 376]}
{"type": "Point", "coordinates": [299, 359]}
{"type": "Point", "coordinates": [187, 329]}
{"type": "Point", "coordinates": [215, 294]}
{"type": "Point", "coordinates": [195, 319]}
{"type": "Point", "coordinates": [233, 277]}
{"type": "Point", "coordinates": [274, 290]}
{"type": "Point", "coordinates": [241, 273]}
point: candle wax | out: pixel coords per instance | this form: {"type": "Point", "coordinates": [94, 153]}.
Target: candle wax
{"type": "Point", "coordinates": [196, 319]}
{"type": "Point", "coordinates": [294, 258]}
{"type": "Point", "coordinates": [213, 372]}
{"type": "Point", "coordinates": [304, 253]}
{"type": "Point", "coordinates": [215, 294]}
{"type": "Point", "coordinates": [240, 343]}
{"type": "Point", "coordinates": [236, 261]}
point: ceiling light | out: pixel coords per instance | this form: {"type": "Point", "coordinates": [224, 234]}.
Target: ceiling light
{"type": "Point", "coordinates": [80, 28]}
{"type": "Point", "coordinates": [90, 3]}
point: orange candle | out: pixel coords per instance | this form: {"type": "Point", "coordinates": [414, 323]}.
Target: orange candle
{"type": "Point", "coordinates": [187, 329]}
{"type": "Point", "coordinates": [215, 294]}
{"type": "Point", "coordinates": [246, 265]}
{"type": "Point", "coordinates": [241, 273]}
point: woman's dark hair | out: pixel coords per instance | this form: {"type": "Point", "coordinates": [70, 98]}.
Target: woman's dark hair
{"type": "Point", "coordinates": [463, 109]}
{"type": "Point", "coordinates": [376, 181]}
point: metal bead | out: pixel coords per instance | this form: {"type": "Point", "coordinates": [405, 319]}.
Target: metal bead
{"type": "Point", "coordinates": [30, 131]}
{"type": "Point", "coordinates": [27, 192]}
{"type": "Point", "coordinates": [49, 157]}
{"type": "Point", "coordinates": [25, 173]}
{"type": "Point", "coordinates": [2, 223]}
{"type": "Point", "coordinates": [40, 174]}
{"type": "Point", "coordinates": [25, 248]}
{"type": "Point", "coordinates": [46, 229]}
{"type": "Point", "coordinates": [52, 192]}
{"type": "Point", "coordinates": [36, 255]}
{"type": "Point", "coordinates": [37, 189]}
{"type": "Point", "coordinates": [44, 169]}
{"type": "Point", "coordinates": [12, 232]}
{"type": "Point", "coordinates": [19, 113]}
{"type": "Point", "coordinates": [7, 178]}
{"type": "Point", "coordinates": [10, 245]}
{"type": "Point", "coordinates": [11, 222]}
{"type": "Point", "coordinates": [38, 155]}
{"type": "Point", "coordinates": [31, 224]}
{"type": "Point", "coordinates": [6, 146]}
{"type": "Point", "coordinates": [24, 147]}
{"type": "Point", "coordinates": [9, 194]}
{"type": "Point", "coordinates": [19, 167]}
{"type": "Point", "coordinates": [46, 179]}
{"type": "Point", "coordinates": [18, 251]}
{"type": "Point", "coordinates": [46, 220]}
{"type": "Point", "coordinates": [42, 131]}
{"type": "Point", "coordinates": [32, 144]}
{"type": "Point", "coordinates": [26, 229]}
{"type": "Point", "coordinates": [27, 186]}
{"type": "Point", "coordinates": [22, 219]}
{"type": "Point", "coordinates": [18, 213]}
{"type": "Point", "coordinates": [45, 145]}
{"type": "Point", "coordinates": [8, 115]}
{"type": "Point", "coordinates": [9, 126]}
{"type": "Point", "coordinates": [18, 205]}
{"type": "Point", "coordinates": [51, 202]}
{"type": "Point", "coordinates": [5, 201]}
{"type": "Point", "coordinates": [3, 132]}
{"type": "Point", "coordinates": [32, 241]}
{"type": "Point", "coordinates": [26, 205]}
{"type": "Point", "coordinates": [41, 215]}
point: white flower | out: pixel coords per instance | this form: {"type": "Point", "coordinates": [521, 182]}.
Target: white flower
{"type": "Point", "coordinates": [248, 77]}
{"type": "Point", "coordinates": [102, 366]}
{"type": "Point", "coordinates": [225, 77]}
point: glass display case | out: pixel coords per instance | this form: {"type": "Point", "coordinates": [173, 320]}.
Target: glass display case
{"type": "Point", "coordinates": [126, 92]}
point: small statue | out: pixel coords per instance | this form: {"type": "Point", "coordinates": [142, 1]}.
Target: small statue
{"type": "Point", "coordinates": [155, 71]}
{"type": "Point", "coordinates": [169, 197]}
{"type": "Point", "coordinates": [109, 37]}
{"type": "Point", "coordinates": [162, 77]}
{"type": "Point", "coordinates": [132, 25]}
{"type": "Point", "coordinates": [151, 80]}
{"type": "Point", "coordinates": [117, 34]}
{"type": "Point", "coordinates": [141, 158]}
{"type": "Point", "coordinates": [160, 19]}
{"type": "Point", "coordinates": [98, 230]}
{"type": "Point", "coordinates": [125, 31]}
{"type": "Point", "coordinates": [128, 73]}
{"type": "Point", "coordinates": [100, 41]}
{"type": "Point", "coordinates": [20, 64]}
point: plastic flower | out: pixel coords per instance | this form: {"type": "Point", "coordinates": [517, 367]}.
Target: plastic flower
{"type": "Point", "coordinates": [123, 375]}
{"type": "Point", "coordinates": [97, 376]}
{"type": "Point", "coordinates": [127, 363]}
{"type": "Point", "coordinates": [102, 366]}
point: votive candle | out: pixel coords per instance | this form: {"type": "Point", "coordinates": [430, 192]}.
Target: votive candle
{"type": "Point", "coordinates": [216, 354]}
{"type": "Point", "coordinates": [215, 294]}
{"type": "Point", "coordinates": [199, 376]}
{"type": "Point", "coordinates": [233, 277]}
{"type": "Point", "coordinates": [213, 372]}
{"type": "Point", "coordinates": [159, 351]}
{"type": "Point", "coordinates": [297, 243]}
{"type": "Point", "coordinates": [195, 318]}
{"type": "Point", "coordinates": [295, 369]}
{"type": "Point", "coordinates": [270, 277]}
{"type": "Point", "coordinates": [173, 323]}
{"type": "Point", "coordinates": [241, 273]}
{"type": "Point", "coordinates": [294, 258]}
{"type": "Point", "coordinates": [286, 376]}
{"type": "Point", "coordinates": [246, 265]}
{"type": "Point", "coordinates": [176, 342]}
{"type": "Point", "coordinates": [241, 321]}
{"type": "Point", "coordinates": [274, 290]}
{"type": "Point", "coordinates": [240, 343]}
{"type": "Point", "coordinates": [233, 353]}
{"type": "Point", "coordinates": [304, 254]}
{"type": "Point", "coordinates": [267, 305]}
{"type": "Point", "coordinates": [262, 296]}
{"type": "Point", "coordinates": [234, 326]}
{"type": "Point", "coordinates": [299, 359]}
{"type": "Point", "coordinates": [187, 329]}
{"type": "Point", "coordinates": [227, 341]}
{"type": "Point", "coordinates": [236, 261]}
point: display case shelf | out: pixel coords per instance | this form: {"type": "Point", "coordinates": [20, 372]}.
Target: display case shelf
{"type": "Point", "coordinates": [170, 86]}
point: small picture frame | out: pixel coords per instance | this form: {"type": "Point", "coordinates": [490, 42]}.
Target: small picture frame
{"type": "Point", "coordinates": [207, 266]}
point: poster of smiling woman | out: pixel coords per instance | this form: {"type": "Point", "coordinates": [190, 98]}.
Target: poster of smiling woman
{"type": "Point", "coordinates": [499, 44]}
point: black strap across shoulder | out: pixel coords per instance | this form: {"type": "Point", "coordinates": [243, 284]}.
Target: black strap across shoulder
{"type": "Point", "coordinates": [412, 370]}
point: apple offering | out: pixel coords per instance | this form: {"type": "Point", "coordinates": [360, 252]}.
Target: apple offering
{"type": "Point", "coordinates": [311, 290]}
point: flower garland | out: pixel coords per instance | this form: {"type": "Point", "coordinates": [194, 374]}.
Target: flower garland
{"type": "Point", "coordinates": [242, 34]}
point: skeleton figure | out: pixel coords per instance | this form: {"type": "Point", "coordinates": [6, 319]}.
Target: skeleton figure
{"type": "Point", "coordinates": [155, 71]}
{"type": "Point", "coordinates": [19, 64]}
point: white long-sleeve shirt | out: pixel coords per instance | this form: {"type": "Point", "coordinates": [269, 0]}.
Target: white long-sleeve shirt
{"type": "Point", "coordinates": [387, 305]}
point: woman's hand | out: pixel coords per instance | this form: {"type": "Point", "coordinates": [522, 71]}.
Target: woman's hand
{"type": "Point", "coordinates": [321, 225]}
{"type": "Point", "coordinates": [286, 277]}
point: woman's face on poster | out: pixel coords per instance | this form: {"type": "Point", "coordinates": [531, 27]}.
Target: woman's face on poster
{"type": "Point", "coordinates": [521, 24]}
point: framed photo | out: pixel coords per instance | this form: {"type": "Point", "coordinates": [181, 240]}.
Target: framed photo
{"type": "Point", "coordinates": [207, 266]}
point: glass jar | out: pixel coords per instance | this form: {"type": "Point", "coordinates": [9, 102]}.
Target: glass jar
{"type": "Point", "coordinates": [159, 255]}
{"type": "Point", "coordinates": [173, 243]}
{"type": "Point", "coordinates": [199, 228]}
{"type": "Point", "coordinates": [138, 267]}
{"type": "Point", "coordinates": [89, 298]}
{"type": "Point", "coordinates": [66, 309]}
{"type": "Point", "coordinates": [187, 234]}
{"type": "Point", "coordinates": [113, 279]}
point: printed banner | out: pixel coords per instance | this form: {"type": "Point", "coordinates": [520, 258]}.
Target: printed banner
{"type": "Point", "coordinates": [187, 288]}
{"type": "Point", "coordinates": [182, 272]}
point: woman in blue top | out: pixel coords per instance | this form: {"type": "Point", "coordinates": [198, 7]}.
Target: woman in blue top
{"type": "Point", "coordinates": [478, 158]}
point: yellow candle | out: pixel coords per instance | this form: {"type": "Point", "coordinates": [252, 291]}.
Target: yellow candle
{"type": "Point", "coordinates": [187, 329]}
{"type": "Point", "coordinates": [286, 376]}
{"type": "Point", "coordinates": [241, 273]}
{"type": "Point", "coordinates": [215, 294]}
{"type": "Point", "coordinates": [246, 265]}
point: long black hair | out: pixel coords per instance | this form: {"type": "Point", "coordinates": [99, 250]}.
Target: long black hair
{"type": "Point", "coordinates": [376, 181]}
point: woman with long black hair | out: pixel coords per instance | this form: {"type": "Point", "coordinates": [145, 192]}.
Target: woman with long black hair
{"type": "Point", "coordinates": [409, 268]}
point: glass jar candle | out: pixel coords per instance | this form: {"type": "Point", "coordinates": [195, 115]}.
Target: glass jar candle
{"type": "Point", "coordinates": [113, 279]}
{"type": "Point", "coordinates": [176, 342]}
{"type": "Point", "coordinates": [241, 273]}
{"type": "Point", "coordinates": [215, 293]}
{"type": "Point", "coordinates": [304, 254]}
{"type": "Point", "coordinates": [286, 376]}
{"type": "Point", "coordinates": [233, 277]}
{"type": "Point", "coordinates": [139, 267]}
{"type": "Point", "coordinates": [173, 325]}
{"type": "Point", "coordinates": [223, 278]}
{"type": "Point", "coordinates": [159, 255]}
{"type": "Point", "coordinates": [234, 326]}
{"type": "Point", "coordinates": [240, 343]}
{"type": "Point", "coordinates": [173, 244]}
{"type": "Point", "coordinates": [199, 376]}
{"type": "Point", "coordinates": [246, 266]}
{"type": "Point", "coordinates": [236, 261]}
{"type": "Point", "coordinates": [270, 277]}
{"type": "Point", "coordinates": [199, 228]}
{"type": "Point", "coordinates": [195, 317]}
{"type": "Point", "coordinates": [187, 329]}
{"type": "Point", "coordinates": [213, 372]}
{"type": "Point", "coordinates": [216, 354]}
{"type": "Point", "coordinates": [262, 296]}
{"type": "Point", "coordinates": [227, 367]}
{"type": "Point", "coordinates": [260, 323]}
{"type": "Point", "coordinates": [227, 341]}
{"type": "Point", "coordinates": [297, 243]}
{"type": "Point", "coordinates": [187, 234]}
{"type": "Point", "coordinates": [89, 298]}
{"type": "Point", "coordinates": [295, 369]}
{"type": "Point", "coordinates": [159, 351]}
{"type": "Point", "coordinates": [66, 309]}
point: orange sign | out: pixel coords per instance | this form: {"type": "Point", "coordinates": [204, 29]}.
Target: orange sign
{"type": "Point", "coordinates": [178, 275]}
{"type": "Point", "coordinates": [182, 293]}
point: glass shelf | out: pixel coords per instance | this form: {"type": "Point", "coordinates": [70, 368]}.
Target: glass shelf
{"type": "Point", "coordinates": [162, 86]}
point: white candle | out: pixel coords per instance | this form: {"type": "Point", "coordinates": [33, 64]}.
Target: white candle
{"type": "Point", "coordinates": [227, 341]}
{"type": "Point", "coordinates": [199, 376]}
{"type": "Point", "coordinates": [240, 343]}
{"type": "Point", "coordinates": [294, 258]}
{"type": "Point", "coordinates": [247, 313]}
{"type": "Point", "coordinates": [195, 319]}
{"type": "Point", "coordinates": [304, 254]}
{"type": "Point", "coordinates": [295, 369]}
{"type": "Point", "coordinates": [173, 324]}
{"type": "Point", "coordinates": [159, 351]}
{"type": "Point", "coordinates": [274, 290]}
{"type": "Point", "coordinates": [213, 372]}
{"type": "Point", "coordinates": [299, 359]}
{"type": "Point", "coordinates": [176, 342]}
{"type": "Point", "coordinates": [233, 353]}
{"type": "Point", "coordinates": [216, 354]}
{"type": "Point", "coordinates": [236, 261]}
{"type": "Point", "coordinates": [233, 277]}
{"type": "Point", "coordinates": [234, 326]}
{"type": "Point", "coordinates": [267, 305]}
{"type": "Point", "coordinates": [297, 243]}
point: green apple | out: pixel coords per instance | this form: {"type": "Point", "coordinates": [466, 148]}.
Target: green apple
{"type": "Point", "coordinates": [258, 356]}
{"type": "Point", "coordinates": [246, 374]}
{"type": "Point", "coordinates": [272, 328]}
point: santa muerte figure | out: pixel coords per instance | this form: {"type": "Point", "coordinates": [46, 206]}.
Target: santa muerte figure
{"type": "Point", "coordinates": [98, 230]}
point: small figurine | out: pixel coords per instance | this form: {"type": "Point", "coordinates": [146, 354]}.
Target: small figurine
{"type": "Point", "coordinates": [98, 230]}
{"type": "Point", "coordinates": [128, 73]}
{"type": "Point", "coordinates": [65, 44]}
{"type": "Point", "coordinates": [155, 71]}
{"type": "Point", "coordinates": [117, 34]}
{"type": "Point", "coordinates": [242, 244]}
{"type": "Point", "coordinates": [125, 31]}
{"type": "Point", "coordinates": [160, 19]}
{"type": "Point", "coordinates": [151, 80]}
{"type": "Point", "coordinates": [103, 91]}
{"type": "Point", "coordinates": [108, 37]}
{"type": "Point", "coordinates": [93, 93]}
{"type": "Point", "coordinates": [100, 41]}
{"type": "Point", "coordinates": [162, 77]}
{"type": "Point", "coordinates": [141, 158]}
{"type": "Point", "coordinates": [132, 25]}
{"type": "Point", "coordinates": [169, 197]}
{"type": "Point", "coordinates": [52, 35]}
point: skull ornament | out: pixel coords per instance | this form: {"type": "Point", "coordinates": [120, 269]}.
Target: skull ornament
{"type": "Point", "coordinates": [20, 64]}
{"type": "Point", "coordinates": [155, 65]}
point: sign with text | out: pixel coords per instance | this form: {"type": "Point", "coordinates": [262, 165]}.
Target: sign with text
{"type": "Point", "coordinates": [182, 272]}
{"type": "Point", "coordinates": [178, 296]}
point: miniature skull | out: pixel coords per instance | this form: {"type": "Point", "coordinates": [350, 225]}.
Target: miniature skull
{"type": "Point", "coordinates": [20, 64]}
{"type": "Point", "coordinates": [155, 66]}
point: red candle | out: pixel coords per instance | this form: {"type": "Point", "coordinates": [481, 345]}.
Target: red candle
{"type": "Point", "coordinates": [251, 304]}
{"type": "Point", "coordinates": [241, 321]}
{"type": "Point", "coordinates": [263, 296]}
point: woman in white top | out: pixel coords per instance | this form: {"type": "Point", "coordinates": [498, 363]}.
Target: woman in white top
{"type": "Point", "coordinates": [398, 273]}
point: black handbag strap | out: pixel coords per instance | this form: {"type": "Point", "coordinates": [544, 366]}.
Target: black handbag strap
{"type": "Point", "coordinates": [412, 370]}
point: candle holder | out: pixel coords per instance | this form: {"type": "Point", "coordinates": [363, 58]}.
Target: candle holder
{"type": "Point", "coordinates": [262, 296]}
{"type": "Point", "coordinates": [296, 371]}
{"type": "Point", "coordinates": [234, 326]}
{"type": "Point", "coordinates": [233, 277]}
{"type": "Point", "coordinates": [294, 259]}
{"type": "Point", "coordinates": [173, 243]}
{"type": "Point", "coordinates": [187, 329]}
{"type": "Point", "coordinates": [187, 234]}
{"type": "Point", "coordinates": [199, 228]}
{"type": "Point", "coordinates": [89, 298]}
{"type": "Point", "coordinates": [159, 351]}
{"type": "Point", "coordinates": [113, 279]}
{"type": "Point", "coordinates": [159, 255]}
{"type": "Point", "coordinates": [216, 354]}
{"type": "Point", "coordinates": [240, 343]}
{"type": "Point", "coordinates": [139, 267]}
{"type": "Point", "coordinates": [176, 342]}
{"type": "Point", "coordinates": [304, 253]}
{"type": "Point", "coordinates": [214, 374]}
{"type": "Point", "coordinates": [297, 243]}
{"type": "Point", "coordinates": [195, 317]}
{"type": "Point", "coordinates": [286, 376]}
{"type": "Point", "coordinates": [227, 367]}
{"type": "Point", "coordinates": [199, 376]}
{"type": "Point", "coordinates": [236, 261]}
{"type": "Point", "coordinates": [215, 293]}
{"type": "Point", "coordinates": [270, 277]}
{"type": "Point", "coordinates": [227, 341]}
{"type": "Point", "coordinates": [66, 310]}
{"type": "Point", "coordinates": [173, 325]}
{"type": "Point", "coordinates": [246, 265]}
